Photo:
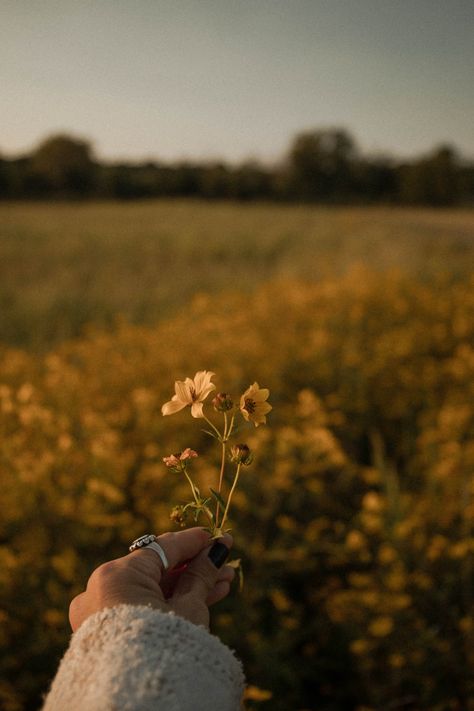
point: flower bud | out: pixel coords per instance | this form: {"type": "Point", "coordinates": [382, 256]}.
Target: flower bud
{"type": "Point", "coordinates": [178, 515]}
{"type": "Point", "coordinates": [241, 454]}
{"type": "Point", "coordinates": [222, 403]}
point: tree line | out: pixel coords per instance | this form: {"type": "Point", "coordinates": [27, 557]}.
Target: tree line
{"type": "Point", "coordinates": [321, 166]}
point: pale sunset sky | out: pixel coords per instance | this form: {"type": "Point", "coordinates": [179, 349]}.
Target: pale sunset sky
{"type": "Point", "coordinates": [235, 79]}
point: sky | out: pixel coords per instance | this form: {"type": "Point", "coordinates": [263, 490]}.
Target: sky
{"type": "Point", "coordinates": [236, 79]}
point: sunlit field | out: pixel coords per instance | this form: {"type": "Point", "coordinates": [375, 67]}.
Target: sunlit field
{"type": "Point", "coordinates": [355, 521]}
{"type": "Point", "coordinates": [66, 265]}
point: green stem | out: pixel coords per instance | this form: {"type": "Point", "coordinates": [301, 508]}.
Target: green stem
{"type": "Point", "coordinates": [221, 474]}
{"type": "Point", "coordinates": [210, 517]}
{"type": "Point", "coordinates": [219, 436]}
{"type": "Point", "coordinates": [229, 432]}
{"type": "Point", "coordinates": [236, 478]}
{"type": "Point", "coordinates": [191, 485]}
{"type": "Point", "coordinates": [221, 477]}
{"type": "Point", "coordinates": [225, 438]}
{"type": "Point", "coordinates": [196, 499]}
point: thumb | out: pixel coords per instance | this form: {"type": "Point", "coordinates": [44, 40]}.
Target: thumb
{"type": "Point", "coordinates": [201, 574]}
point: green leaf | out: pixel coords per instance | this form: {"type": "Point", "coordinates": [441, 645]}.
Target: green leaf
{"type": "Point", "coordinates": [212, 434]}
{"type": "Point", "coordinates": [218, 498]}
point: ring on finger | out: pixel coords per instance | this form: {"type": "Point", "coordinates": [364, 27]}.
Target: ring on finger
{"type": "Point", "coordinates": [149, 541]}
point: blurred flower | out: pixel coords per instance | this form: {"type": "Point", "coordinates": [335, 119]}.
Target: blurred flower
{"type": "Point", "coordinates": [255, 693]}
{"type": "Point", "coordinates": [253, 406]}
{"type": "Point", "coordinates": [190, 392]}
{"type": "Point", "coordinates": [178, 461]}
{"type": "Point", "coordinates": [241, 454]}
{"type": "Point", "coordinates": [381, 627]}
{"type": "Point", "coordinates": [222, 402]}
{"type": "Point", "coordinates": [359, 646]}
{"type": "Point", "coordinates": [178, 515]}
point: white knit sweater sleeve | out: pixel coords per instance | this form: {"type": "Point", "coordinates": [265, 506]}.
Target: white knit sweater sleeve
{"type": "Point", "coordinates": [135, 658]}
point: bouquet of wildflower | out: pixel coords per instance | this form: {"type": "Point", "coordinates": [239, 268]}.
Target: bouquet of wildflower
{"type": "Point", "coordinates": [252, 407]}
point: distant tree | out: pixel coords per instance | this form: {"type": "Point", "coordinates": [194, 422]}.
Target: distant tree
{"type": "Point", "coordinates": [375, 180]}
{"type": "Point", "coordinates": [15, 181]}
{"type": "Point", "coordinates": [185, 178]}
{"type": "Point", "coordinates": [467, 184]}
{"type": "Point", "coordinates": [215, 181]}
{"type": "Point", "coordinates": [250, 182]}
{"type": "Point", "coordinates": [127, 181]}
{"type": "Point", "coordinates": [64, 165]}
{"type": "Point", "coordinates": [321, 165]}
{"type": "Point", "coordinates": [433, 180]}
{"type": "Point", "coordinates": [118, 181]}
{"type": "Point", "coordinates": [4, 178]}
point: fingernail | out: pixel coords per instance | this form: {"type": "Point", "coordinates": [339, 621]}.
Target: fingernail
{"type": "Point", "coordinates": [218, 554]}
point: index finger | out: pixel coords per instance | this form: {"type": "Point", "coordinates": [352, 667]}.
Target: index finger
{"type": "Point", "coordinates": [179, 546]}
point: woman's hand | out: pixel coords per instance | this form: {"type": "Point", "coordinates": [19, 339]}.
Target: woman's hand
{"type": "Point", "coordinates": [188, 587]}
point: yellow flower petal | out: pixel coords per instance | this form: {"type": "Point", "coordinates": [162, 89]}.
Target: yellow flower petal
{"type": "Point", "coordinates": [196, 409]}
{"type": "Point", "coordinates": [183, 391]}
{"type": "Point", "coordinates": [169, 408]}
{"type": "Point", "coordinates": [202, 380]}
{"type": "Point", "coordinates": [190, 392]}
{"type": "Point", "coordinates": [253, 406]}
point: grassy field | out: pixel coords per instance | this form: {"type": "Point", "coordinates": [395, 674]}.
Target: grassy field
{"type": "Point", "coordinates": [356, 520]}
{"type": "Point", "coordinates": [63, 266]}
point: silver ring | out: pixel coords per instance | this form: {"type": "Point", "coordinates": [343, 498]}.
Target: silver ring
{"type": "Point", "coordinates": [149, 541]}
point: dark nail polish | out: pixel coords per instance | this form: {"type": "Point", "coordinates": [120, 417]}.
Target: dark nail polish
{"type": "Point", "coordinates": [218, 554]}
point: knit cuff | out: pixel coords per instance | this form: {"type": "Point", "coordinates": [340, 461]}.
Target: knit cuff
{"type": "Point", "coordinates": [140, 659]}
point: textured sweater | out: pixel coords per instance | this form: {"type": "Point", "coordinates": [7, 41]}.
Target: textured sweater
{"type": "Point", "coordinates": [135, 658]}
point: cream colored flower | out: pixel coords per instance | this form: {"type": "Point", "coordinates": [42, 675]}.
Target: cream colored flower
{"type": "Point", "coordinates": [190, 392]}
{"type": "Point", "coordinates": [253, 406]}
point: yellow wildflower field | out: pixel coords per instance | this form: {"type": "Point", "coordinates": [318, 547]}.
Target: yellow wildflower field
{"type": "Point", "coordinates": [355, 520]}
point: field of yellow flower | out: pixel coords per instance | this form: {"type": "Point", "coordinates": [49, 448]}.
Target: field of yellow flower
{"type": "Point", "coordinates": [355, 520]}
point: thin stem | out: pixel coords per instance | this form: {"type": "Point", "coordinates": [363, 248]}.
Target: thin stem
{"type": "Point", "coordinates": [236, 478]}
{"type": "Point", "coordinates": [219, 436]}
{"type": "Point", "coordinates": [221, 477]}
{"type": "Point", "coordinates": [221, 474]}
{"type": "Point", "coordinates": [229, 432]}
{"type": "Point", "coordinates": [208, 513]}
{"type": "Point", "coordinates": [196, 499]}
{"type": "Point", "coordinates": [191, 485]}
{"type": "Point", "coordinates": [225, 437]}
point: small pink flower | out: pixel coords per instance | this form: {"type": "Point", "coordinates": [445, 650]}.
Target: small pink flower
{"type": "Point", "coordinates": [188, 454]}
{"type": "Point", "coordinates": [175, 461]}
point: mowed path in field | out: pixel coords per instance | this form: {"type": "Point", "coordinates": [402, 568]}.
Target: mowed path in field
{"type": "Point", "coordinates": [66, 265]}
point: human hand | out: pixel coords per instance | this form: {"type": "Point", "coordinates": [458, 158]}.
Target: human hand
{"type": "Point", "coordinates": [190, 585]}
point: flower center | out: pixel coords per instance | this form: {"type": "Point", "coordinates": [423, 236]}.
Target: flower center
{"type": "Point", "coordinates": [250, 405]}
